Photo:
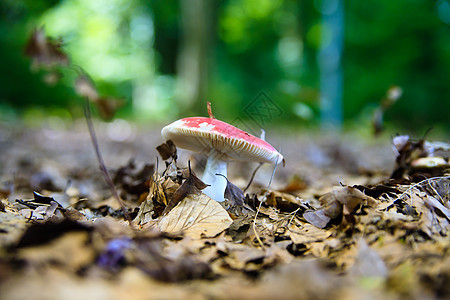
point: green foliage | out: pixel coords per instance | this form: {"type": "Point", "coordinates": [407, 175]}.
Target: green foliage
{"type": "Point", "coordinates": [131, 49]}
{"type": "Point", "coordinates": [398, 43]}
{"type": "Point", "coordinates": [20, 87]}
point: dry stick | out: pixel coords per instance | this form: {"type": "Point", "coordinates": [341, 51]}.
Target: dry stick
{"type": "Point", "coordinates": [208, 107]}
{"type": "Point", "coordinates": [253, 176]}
{"type": "Point", "coordinates": [437, 193]}
{"type": "Point", "coordinates": [260, 203]}
{"type": "Point", "coordinates": [293, 216]}
{"type": "Point", "coordinates": [284, 219]}
{"type": "Point", "coordinates": [419, 183]}
{"type": "Point", "coordinates": [87, 113]}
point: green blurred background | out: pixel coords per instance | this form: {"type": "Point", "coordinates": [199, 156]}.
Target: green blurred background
{"type": "Point", "coordinates": [329, 61]}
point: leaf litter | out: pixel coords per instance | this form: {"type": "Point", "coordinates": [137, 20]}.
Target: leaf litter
{"type": "Point", "coordinates": [377, 238]}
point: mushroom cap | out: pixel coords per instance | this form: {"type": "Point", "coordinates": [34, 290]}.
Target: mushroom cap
{"type": "Point", "coordinates": [200, 134]}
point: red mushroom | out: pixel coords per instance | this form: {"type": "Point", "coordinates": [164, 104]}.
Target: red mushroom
{"type": "Point", "coordinates": [221, 142]}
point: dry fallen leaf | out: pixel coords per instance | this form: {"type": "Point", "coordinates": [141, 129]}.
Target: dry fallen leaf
{"type": "Point", "coordinates": [283, 201]}
{"type": "Point", "coordinates": [167, 150]}
{"type": "Point", "coordinates": [44, 50]}
{"type": "Point", "coordinates": [192, 185]}
{"type": "Point", "coordinates": [307, 233]}
{"type": "Point", "coordinates": [234, 194]}
{"type": "Point", "coordinates": [343, 200]}
{"type": "Point", "coordinates": [316, 218]}
{"type": "Point", "coordinates": [196, 216]}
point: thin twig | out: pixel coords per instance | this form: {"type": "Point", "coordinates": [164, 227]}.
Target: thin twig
{"type": "Point", "coordinates": [260, 203]}
{"type": "Point", "coordinates": [277, 222]}
{"type": "Point", "coordinates": [293, 216]}
{"type": "Point", "coordinates": [253, 176]}
{"type": "Point", "coordinates": [437, 193]}
{"type": "Point", "coordinates": [254, 226]}
{"type": "Point", "coordinates": [208, 107]}
{"type": "Point", "coordinates": [87, 113]}
{"type": "Point", "coordinates": [419, 183]}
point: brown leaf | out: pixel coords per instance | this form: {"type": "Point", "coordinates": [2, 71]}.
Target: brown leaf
{"type": "Point", "coordinates": [307, 233]}
{"type": "Point", "coordinates": [169, 187]}
{"type": "Point", "coordinates": [283, 201]}
{"type": "Point", "coordinates": [156, 190]}
{"type": "Point", "coordinates": [331, 207]}
{"type": "Point", "coordinates": [348, 198]}
{"type": "Point", "coordinates": [192, 185]}
{"type": "Point", "coordinates": [160, 189]}
{"type": "Point", "coordinates": [107, 106]}
{"type": "Point", "coordinates": [110, 202]}
{"type": "Point", "coordinates": [234, 194]}
{"type": "Point", "coordinates": [238, 230]}
{"type": "Point", "coordinates": [317, 218]}
{"type": "Point", "coordinates": [196, 216]}
{"type": "Point", "coordinates": [132, 181]}
{"type": "Point", "coordinates": [378, 190]}
{"type": "Point", "coordinates": [167, 150]}
{"type": "Point", "coordinates": [341, 200]}
{"type": "Point", "coordinates": [146, 212]}
{"type": "Point", "coordinates": [45, 51]}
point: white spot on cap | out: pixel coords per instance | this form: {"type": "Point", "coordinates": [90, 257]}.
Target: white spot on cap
{"type": "Point", "coordinates": [205, 127]}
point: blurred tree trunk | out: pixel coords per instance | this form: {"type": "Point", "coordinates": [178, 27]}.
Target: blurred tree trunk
{"type": "Point", "coordinates": [193, 60]}
{"type": "Point", "coordinates": [329, 59]}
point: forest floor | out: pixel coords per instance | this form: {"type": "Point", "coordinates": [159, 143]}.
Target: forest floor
{"type": "Point", "coordinates": [346, 217]}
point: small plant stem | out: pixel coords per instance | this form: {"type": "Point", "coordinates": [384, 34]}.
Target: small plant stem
{"type": "Point", "coordinates": [87, 113]}
{"type": "Point", "coordinates": [253, 176]}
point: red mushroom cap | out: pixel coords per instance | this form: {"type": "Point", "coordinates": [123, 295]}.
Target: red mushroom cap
{"type": "Point", "coordinates": [200, 134]}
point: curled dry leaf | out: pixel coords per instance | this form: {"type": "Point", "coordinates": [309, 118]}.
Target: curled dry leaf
{"type": "Point", "coordinates": [156, 190]}
{"type": "Point", "coordinates": [196, 216]}
{"type": "Point", "coordinates": [44, 50]}
{"type": "Point", "coordinates": [346, 197]}
{"type": "Point", "coordinates": [341, 200]}
{"type": "Point", "coordinates": [107, 106]}
{"type": "Point", "coordinates": [167, 150]}
{"type": "Point", "coordinates": [283, 201]}
{"type": "Point", "coordinates": [192, 185]}
{"type": "Point", "coordinates": [133, 182]}
{"type": "Point", "coordinates": [234, 194]}
{"type": "Point", "coordinates": [316, 218]}
{"type": "Point", "coordinates": [160, 189]}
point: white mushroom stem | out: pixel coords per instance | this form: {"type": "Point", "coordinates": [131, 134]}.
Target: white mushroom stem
{"type": "Point", "coordinates": [215, 165]}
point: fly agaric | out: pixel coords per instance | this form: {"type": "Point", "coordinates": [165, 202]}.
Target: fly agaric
{"type": "Point", "coordinates": [221, 142]}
